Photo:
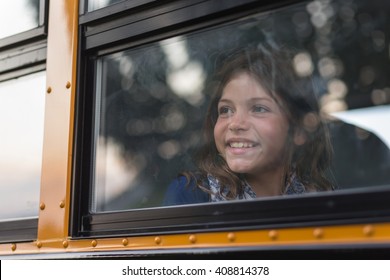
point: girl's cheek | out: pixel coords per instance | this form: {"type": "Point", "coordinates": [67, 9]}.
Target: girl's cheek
{"type": "Point", "coordinates": [218, 137]}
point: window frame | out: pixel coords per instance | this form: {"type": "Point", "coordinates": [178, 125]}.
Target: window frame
{"type": "Point", "coordinates": [120, 7]}
{"type": "Point", "coordinates": [344, 207]}
{"type": "Point", "coordinates": [18, 230]}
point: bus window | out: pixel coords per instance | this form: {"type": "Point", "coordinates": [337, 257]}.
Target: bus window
{"type": "Point", "coordinates": [18, 16]}
{"type": "Point", "coordinates": [151, 100]}
{"type": "Point", "coordinates": [22, 103]}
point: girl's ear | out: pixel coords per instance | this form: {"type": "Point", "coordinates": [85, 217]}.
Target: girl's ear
{"type": "Point", "coordinates": [300, 137]}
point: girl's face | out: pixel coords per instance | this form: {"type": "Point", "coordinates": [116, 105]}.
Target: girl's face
{"type": "Point", "coordinates": [251, 129]}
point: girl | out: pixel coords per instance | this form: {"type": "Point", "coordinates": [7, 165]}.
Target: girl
{"type": "Point", "coordinates": [263, 136]}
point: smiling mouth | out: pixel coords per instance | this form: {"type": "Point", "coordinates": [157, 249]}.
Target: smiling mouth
{"type": "Point", "coordinates": [240, 145]}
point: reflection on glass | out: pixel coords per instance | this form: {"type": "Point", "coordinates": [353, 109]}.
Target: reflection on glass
{"type": "Point", "coordinates": [22, 104]}
{"type": "Point", "coordinates": [18, 16]}
{"type": "Point", "coordinates": [98, 4]}
{"type": "Point", "coordinates": [152, 100]}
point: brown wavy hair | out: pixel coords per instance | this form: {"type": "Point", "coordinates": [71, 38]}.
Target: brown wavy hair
{"type": "Point", "coordinates": [273, 70]}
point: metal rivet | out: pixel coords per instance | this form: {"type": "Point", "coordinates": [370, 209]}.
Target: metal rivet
{"type": "Point", "coordinates": [13, 246]}
{"type": "Point", "coordinates": [157, 240]}
{"type": "Point", "coordinates": [318, 233]}
{"type": "Point", "coordinates": [62, 204]}
{"type": "Point", "coordinates": [48, 90]}
{"type": "Point", "coordinates": [42, 206]}
{"type": "Point", "coordinates": [94, 243]}
{"type": "Point", "coordinates": [125, 242]}
{"type": "Point", "coordinates": [231, 236]}
{"type": "Point", "coordinates": [65, 243]}
{"type": "Point", "coordinates": [273, 234]}
{"type": "Point", "coordinates": [68, 85]}
{"type": "Point", "coordinates": [368, 230]}
{"type": "Point", "coordinates": [192, 238]}
{"type": "Point", "coordinates": [39, 244]}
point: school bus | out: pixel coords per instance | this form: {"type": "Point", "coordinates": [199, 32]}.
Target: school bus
{"type": "Point", "coordinates": [102, 104]}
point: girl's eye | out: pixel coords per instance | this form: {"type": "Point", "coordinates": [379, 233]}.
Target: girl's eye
{"type": "Point", "coordinates": [259, 109]}
{"type": "Point", "coordinates": [225, 111]}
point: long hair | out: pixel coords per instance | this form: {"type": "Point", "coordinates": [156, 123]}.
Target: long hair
{"type": "Point", "coordinates": [273, 70]}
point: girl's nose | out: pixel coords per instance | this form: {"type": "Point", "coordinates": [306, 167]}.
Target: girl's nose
{"type": "Point", "coordinates": [239, 121]}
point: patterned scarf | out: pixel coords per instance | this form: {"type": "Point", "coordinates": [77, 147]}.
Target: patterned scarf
{"type": "Point", "coordinates": [294, 186]}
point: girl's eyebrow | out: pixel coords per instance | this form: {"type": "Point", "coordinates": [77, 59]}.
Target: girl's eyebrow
{"type": "Point", "coordinates": [224, 100]}
{"type": "Point", "coordinates": [267, 98]}
{"type": "Point", "coordinates": [254, 99]}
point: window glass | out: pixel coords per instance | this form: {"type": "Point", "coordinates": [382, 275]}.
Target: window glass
{"type": "Point", "coordinates": [22, 103]}
{"type": "Point", "coordinates": [18, 16]}
{"type": "Point", "coordinates": [98, 4]}
{"type": "Point", "coordinates": [152, 101]}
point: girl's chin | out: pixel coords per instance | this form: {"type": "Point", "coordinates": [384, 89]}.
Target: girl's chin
{"type": "Point", "coordinates": [239, 168]}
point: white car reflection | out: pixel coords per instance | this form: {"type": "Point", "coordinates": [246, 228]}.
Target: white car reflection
{"type": "Point", "coordinates": [373, 119]}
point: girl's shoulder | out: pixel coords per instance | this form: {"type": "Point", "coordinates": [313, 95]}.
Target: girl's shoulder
{"type": "Point", "coordinates": [184, 190]}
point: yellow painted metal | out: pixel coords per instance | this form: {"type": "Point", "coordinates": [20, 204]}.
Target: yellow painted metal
{"type": "Point", "coordinates": [57, 152]}
{"type": "Point", "coordinates": [327, 235]}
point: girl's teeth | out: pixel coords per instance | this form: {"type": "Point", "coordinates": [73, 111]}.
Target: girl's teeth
{"type": "Point", "coordinates": [240, 145]}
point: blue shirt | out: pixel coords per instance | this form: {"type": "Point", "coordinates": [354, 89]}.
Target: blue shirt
{"type": "Point", "coordinates": [179, 192]}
